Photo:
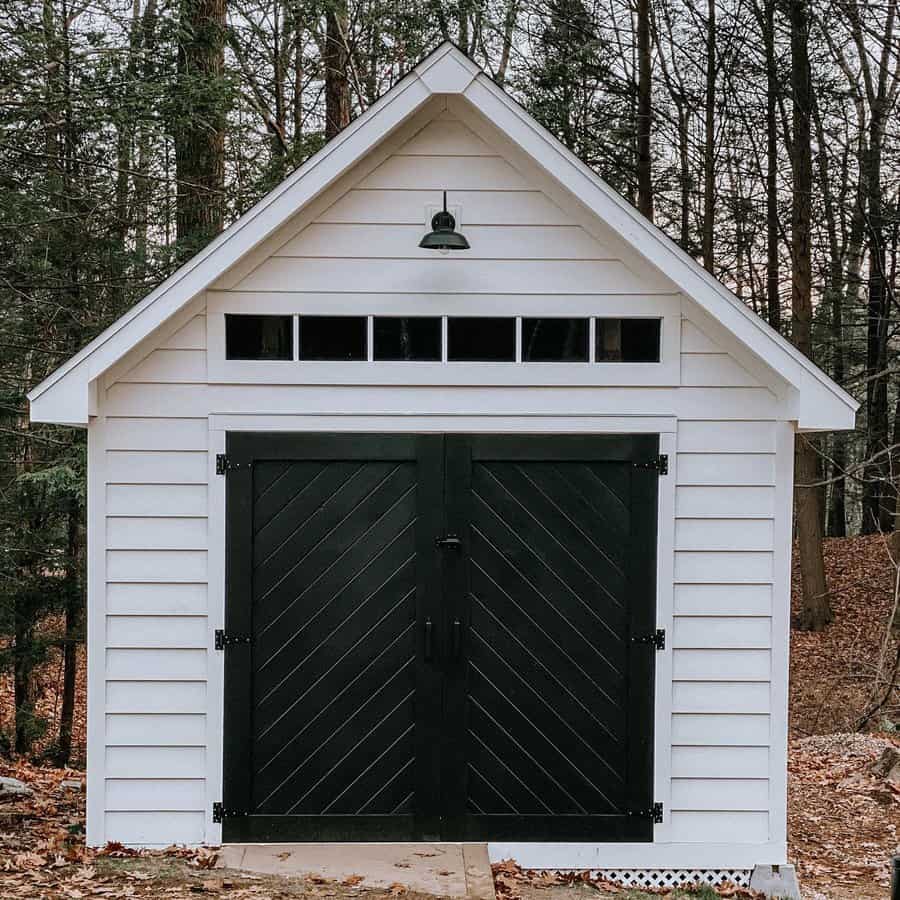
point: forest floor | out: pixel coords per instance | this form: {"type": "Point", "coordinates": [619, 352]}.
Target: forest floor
{"type": "Point", "coordinates": [843, 819]}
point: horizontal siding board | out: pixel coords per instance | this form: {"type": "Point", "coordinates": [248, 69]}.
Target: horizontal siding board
{"type": "Point", "coordinates": [725, 534]}
{"type": "Point", "coordinates": [155, 697]}
{"type": "Point", "coordinates": [726, 468]}
{"type": "Point", "coordinates": [716, 632]}
{"type": "Point", "coordinates": [191, 336]}
{"type": "Point", "coordinates": [720, 794]}
{"type": "Point", "coordinates": [156, 533]}
{"type": "Point", "coordinates": [156, 565]}
{"type": "Point", "coordinates": [445, 137]}
{"type": "Point", "coordinates": [725, 567]}
{"type": "Point", "coordinates": [156, 631]}
{"type": "Point", "coordinates": [380, 207]}
{"type": "Point", "coordinates": [173, 366]}
{"type": "Point", "coordinates": [704, 501]}
{"type": "Point", "coordinates": [160, 794]}
{"type": "Point", "coordinates": [720, 762]}
{"type": "Point", "coordinates": [713, 370]}
{"type": "Point", "coordinates": [719, 827]}
{"type": "Point", "coordinates": [156, 467]}
{"type": "Point", "coordinates": [325, 240]}
{"type": "Point", "coordinates": [155, 828]}
{"type": "Point", "coordinates": [721, 665]}
{"type": "Point", "coordinates": [160, 729]}
{"type": "Point", "coordinates": [259, 399]}
{"type": "Point", "coordinates": [725, 437]}
{"type": "Point", "coordinates": [433, 173]}
{"type": "Point", "coordinates": [134, 433]}
{"type": "Point", "coordinates": [155, 664]}
{"type": "Point", "coordinates": [444, 275]}
{"type": "Point", "coordinates": [124, 598]}
{"type": "Point", "coordinates": [156, 762]}
{"type": "Point", "coordinates": [171, 401]}
{"type": "Point", "coordinates": [701, 730]}
{"type": "Point", "coordinates": [721, 696]}
{"type": "Point", "coordinates": [693, 340]}
{"type": "Point", "coordinates": [164, 500]}
{"type": "Point", "coordinates": [723, 599]}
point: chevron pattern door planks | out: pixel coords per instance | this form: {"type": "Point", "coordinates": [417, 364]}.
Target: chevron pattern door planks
{"type": "Point", "coordinates": [395, 686]}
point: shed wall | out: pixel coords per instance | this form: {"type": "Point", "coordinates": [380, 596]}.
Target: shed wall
{"type": "Point", "coordinates": [156, 570]}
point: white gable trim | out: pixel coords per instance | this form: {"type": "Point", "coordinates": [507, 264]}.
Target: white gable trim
{"type": "Point", "coordinates": [65, 396]}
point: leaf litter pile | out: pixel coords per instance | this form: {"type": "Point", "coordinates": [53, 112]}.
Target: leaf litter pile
{"type": "Point", "coordinates": [844, 813]}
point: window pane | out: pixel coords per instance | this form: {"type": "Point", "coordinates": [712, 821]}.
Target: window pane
{"type": "Point", "coordinates": [333, 337]}
{"type": "Point", "coordinates": [480, 339]}
{"type": "Point", "coordinates": [258, 337]}
{"type": "Point", "coordinates": [416, 338]}
{"type": "Point", "coordinates": [555, 340]}
{"type": "Point", "coordinates": [627, 340]}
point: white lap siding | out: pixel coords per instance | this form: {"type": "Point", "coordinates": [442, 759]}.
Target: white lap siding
{"type": "Point", "coordinates": [722, 626]}
{"type": "Point", "coordinates": [156, 605]}
{"type": "Point", "coordinates": [156, 570]}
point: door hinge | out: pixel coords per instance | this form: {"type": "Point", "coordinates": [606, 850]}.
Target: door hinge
{"type": "Point", "coordinates": [224, 639]}
{"type": "Point", "coordinates": [220, 812]}
{"type": "Point", "coordinates": [656, 638]}
{"type": "Point", "coordinates": [225, 463]}
{"type": "Point", "coordinates": [660, 465]}
{"type": "Point", "coordinates": [654, 814]}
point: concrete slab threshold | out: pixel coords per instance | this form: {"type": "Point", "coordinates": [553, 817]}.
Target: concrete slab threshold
{"type": "Point", "coordinates": [446, 870]}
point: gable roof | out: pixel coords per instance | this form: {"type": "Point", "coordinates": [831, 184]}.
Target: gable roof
{"type": "Point", "coordinates": [66, 395]}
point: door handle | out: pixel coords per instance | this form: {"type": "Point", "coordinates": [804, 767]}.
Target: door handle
{"type": "Point", "coordinates": [455, 639]}
{"type": "Point", "coordinates": [429, 640]}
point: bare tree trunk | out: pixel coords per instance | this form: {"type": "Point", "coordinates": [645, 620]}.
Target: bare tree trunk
{"type": "Point", "coordinates": [773, 280]}
{"type": "Point", "coordinates": [709, 162]}
{"type": "Point", "coordinates": [23, 666]}
{"type": "Point", "coordinates": [297, 134]}
{"type": "Point", "coordinates": [142, 184]}
{"type": "Point", "coordinates": [509, 24]}
{"type": "Point", "coordinates": [644, 111]}
{"type": "Point", "coordinates": [877, 509]}
{"type": "Point", "coordinates": [833, 297]}
{"type": "Point", "coordinates": [462, 18]}
{"type": "Point", "coordinates": [336, 60]}
{"type": "Point", "coordinates": [74, 606]}
{"type": "Point", "coordinates": [816, 611]}
{"type": "Point", "coordinates": [200, 135]}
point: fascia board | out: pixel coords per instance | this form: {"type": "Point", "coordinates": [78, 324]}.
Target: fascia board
{"type": "Point", "coordinates": [648, 240]}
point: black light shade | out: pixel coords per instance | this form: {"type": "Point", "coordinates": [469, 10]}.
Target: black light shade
{"type": "Point", "coordinates": [443, 234]}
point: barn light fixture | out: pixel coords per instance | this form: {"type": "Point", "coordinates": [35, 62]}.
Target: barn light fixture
{"type": "Point", "coordinates": [443, 234]}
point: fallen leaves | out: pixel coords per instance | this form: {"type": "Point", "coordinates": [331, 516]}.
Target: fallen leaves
{"type": "Point", "coordinates": [833, 672]}
{"type": "Point", "coordinates": [843, 817]}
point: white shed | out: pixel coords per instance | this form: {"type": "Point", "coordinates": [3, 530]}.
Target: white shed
{"type": "Point", "coordinates": [392, 543]}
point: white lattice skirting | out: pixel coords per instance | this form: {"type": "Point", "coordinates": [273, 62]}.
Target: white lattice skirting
{"type": "Point", "coordinates": [672, 878]}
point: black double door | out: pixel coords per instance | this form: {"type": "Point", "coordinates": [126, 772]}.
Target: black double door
{"type": "Point", "coordinates": [433, 637]}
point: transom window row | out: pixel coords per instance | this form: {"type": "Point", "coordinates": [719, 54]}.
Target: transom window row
{"type": "Point", "coordinates": [441, 338]}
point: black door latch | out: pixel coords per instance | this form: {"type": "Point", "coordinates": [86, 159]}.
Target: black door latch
{"type": "Point", "coordinates": [450, 542]}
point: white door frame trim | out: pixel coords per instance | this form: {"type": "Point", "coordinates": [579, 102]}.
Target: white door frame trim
{"type": "Point", "coordinates": [665, 426]}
